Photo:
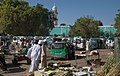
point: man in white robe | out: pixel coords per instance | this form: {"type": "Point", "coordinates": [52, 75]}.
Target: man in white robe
{"type": "Point", "coordinates": [87, 46]}
{"type": "Point", "coordinates": [34, 54]}
{"type": "Point", "coordinates": [44, 55]}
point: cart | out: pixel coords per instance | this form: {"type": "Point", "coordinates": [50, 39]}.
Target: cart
{"type": "Point", "coordinates": [19, 57]}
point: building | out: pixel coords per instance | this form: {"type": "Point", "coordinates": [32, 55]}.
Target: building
{"type": "Point", "coordinates": [60, 30]}
{"type": "Point", "coordinates": [106, 31]}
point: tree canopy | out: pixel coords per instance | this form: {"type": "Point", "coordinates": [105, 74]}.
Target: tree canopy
{"type": "Point", "coordinates": [86, 27]}
{"type": "Point", "coordinates": [18, 18]}
{"type": "Point", "coordinates": [117, 22]}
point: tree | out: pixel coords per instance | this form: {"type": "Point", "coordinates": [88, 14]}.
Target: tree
{"type": "Point", "coordinates": [85, 27]}
{"type": "Point", "coordinates": [13, 17]}
{"type": "Point", "coordinates": [117, 23]}
{"type": "Point", "coordinates": [41, 20]}
{"type": "Point", "coordinates": [18, 18]}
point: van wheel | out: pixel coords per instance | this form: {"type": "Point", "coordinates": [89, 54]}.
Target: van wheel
{"type": "Point", "coordinates": [52, 58]}
{"type": "Point", "coordinates": [66, 57]}
{"type": "Point", "coordinates": [72, 56]}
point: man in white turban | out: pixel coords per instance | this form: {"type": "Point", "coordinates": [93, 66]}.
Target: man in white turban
{"type": "Point", "coordinates": [43, 54]}
{"type": "Point", "coordinates": [34, 54]}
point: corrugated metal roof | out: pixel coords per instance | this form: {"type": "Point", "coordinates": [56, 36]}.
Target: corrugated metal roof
{"type": "Point", "coordinates": [60, 30]}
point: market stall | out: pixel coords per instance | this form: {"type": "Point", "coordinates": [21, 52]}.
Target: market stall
{"type": "Point", "coordinates": [64, 69]}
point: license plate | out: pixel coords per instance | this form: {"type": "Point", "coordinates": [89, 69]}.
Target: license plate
{"type": "Point", "coordinates": [57, 51]}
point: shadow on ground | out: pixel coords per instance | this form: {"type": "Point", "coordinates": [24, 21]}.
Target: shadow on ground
{"type": "Point", "coordinates": [1, 75]}
{"type": "Point", "coordinates": [15, 68]}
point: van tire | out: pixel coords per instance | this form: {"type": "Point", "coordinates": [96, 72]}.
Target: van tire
{"type": "Point", "coordinates": [72, 56]}
{"type": "Point", "coordinates": [67, 57]}
{"type": "Point", "coordinates": [52, 58]}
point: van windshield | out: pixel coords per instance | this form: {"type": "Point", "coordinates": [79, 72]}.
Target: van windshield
{"type": "Point", "coordinates": [58, 45]}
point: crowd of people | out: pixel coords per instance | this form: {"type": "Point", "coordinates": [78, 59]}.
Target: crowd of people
{"type": "Point", "coordinates": [92, 43]}
{"type": "Point", "coordinates": [35, 50]}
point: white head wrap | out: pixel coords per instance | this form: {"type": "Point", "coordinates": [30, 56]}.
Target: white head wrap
{"type": "Point", "coordinates": [40, 42]}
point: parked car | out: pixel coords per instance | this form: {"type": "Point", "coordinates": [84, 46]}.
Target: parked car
{"type": "Point", "coordinates": [94, 43]}
{"type": "Point", "coordinates": [62, 50]}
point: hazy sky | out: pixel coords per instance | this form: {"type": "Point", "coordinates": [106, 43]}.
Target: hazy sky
{"type": "Point", "coordinates": [70, 10]}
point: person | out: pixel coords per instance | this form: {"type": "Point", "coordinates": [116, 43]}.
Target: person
{"type": "Point", "coordinates": [44, 55]}
{"type": "Point", "coordinates": [14, 47]}
{"type": "Point", "coordinates": [87, 46]}
{"type": "Point", "coordinates": [94, 52]}
{"type": "Point", "coordinates": [2, 58]}
{"type": "Point", "coordinates": [24, 50]}
{"type": "Point", "coordinates": [3, 63]}
{"type": "Point", "coordinates": [34, 54]}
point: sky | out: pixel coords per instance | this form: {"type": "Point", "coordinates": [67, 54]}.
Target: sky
{"type": "Point", "coordinates": [70, 10]}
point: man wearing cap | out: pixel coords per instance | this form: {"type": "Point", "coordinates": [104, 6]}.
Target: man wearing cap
{"type": "Point", "coordinates": [43, 55]}
{"type": "Point", "coordinates": [34, 54]}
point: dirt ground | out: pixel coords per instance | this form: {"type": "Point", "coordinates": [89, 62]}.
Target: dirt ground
{"type": "Point", "coordinates": [22, 68]}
